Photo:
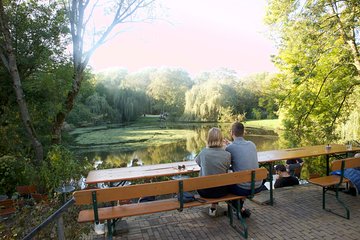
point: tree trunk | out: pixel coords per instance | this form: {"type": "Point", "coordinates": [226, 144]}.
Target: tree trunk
{"type": "Point", "coordinates": [11, 64]}
{"type": "Point", "coordinates": [81, 57]}
{"type": "Point", "coordinates": [67, 107]}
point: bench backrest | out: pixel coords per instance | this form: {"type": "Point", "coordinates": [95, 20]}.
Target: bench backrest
{"type": "Point", "coordinates": [348, 163]}
{"type": "Point", "coordinates": [126, 192]}
{"type": "Point", "coordinates": [166, 187]}
{"type": "Point", "coordinates": [191, 184]}
{"type": "Point", "coordinates": [6, 203]}
{"type": "Point", "coordinates": [26, 189]}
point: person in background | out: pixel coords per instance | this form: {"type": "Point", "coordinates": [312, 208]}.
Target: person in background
{"type": "Point", "coordinates": [243, 157]}
{"type": "Point", "coordinates": [294, 166]}
{"type": "Point", "coordinates": [213, 159]}
{"type": "Point", "coordinates": [353, 174]}
{"type": "Point", "coordinates": [284, 178]}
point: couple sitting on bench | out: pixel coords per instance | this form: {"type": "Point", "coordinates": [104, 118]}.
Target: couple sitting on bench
{"type": "Point", "coordinates": [220, 155]}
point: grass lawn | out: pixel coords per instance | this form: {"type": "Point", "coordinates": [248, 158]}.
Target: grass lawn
{"type": "Point", "coordinates": [268, 124]}
{"type": "Point", "coordinates": [145, 132]}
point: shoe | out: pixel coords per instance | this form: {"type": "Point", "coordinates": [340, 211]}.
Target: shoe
{"type": "Point", "coordinates": [212, 212]}
{"type": "Point", "coordinates": [351, 191]}
{"type": "Point", "coordinates": [245, 213]}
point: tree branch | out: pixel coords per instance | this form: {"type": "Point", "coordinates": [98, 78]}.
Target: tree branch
{"type": "Point", "coordinates": [319, 91]}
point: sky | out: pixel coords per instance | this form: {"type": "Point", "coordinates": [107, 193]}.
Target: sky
{"type": "Point", "coordinates": [196, 35]}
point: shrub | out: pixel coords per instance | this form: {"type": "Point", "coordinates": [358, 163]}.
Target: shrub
{"type": "Point", "coordinates": [14, 171]}
{"type": "Point", "coordinates": [60, 167]}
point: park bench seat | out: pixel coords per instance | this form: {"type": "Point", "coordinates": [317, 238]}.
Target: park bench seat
{"type": "Point", "coordinates": [7, 207]}
{"type": "Point", "coordinates": [129, 210]}
{"type": "Point", "coordinates": [334, 182]}
{"type": "Point", "coordinates": [25, 191]}
{"type": "Point", "coordinates": [98, 197]}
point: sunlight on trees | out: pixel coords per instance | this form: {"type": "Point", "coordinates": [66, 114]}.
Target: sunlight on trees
{"type": "Point", "coordinates": [319, 66]}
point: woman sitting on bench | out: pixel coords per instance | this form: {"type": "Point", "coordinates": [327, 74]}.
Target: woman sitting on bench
{"type": "Point", "coordinates": [213, 159]}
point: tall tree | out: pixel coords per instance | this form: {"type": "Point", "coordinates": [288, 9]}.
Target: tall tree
{"type": "Point", "coordinates": [319, 65]}
{"type": "Point", "coordinates": [168, 87]}
{"type": "Point", "coordinates": [80, 12]}
{"type": "Point", "coordinates": [213, 97]}
{"type": "Point", "coordinates": [31, 34]}
{"type": "Point", "coordinates": [8, 58]}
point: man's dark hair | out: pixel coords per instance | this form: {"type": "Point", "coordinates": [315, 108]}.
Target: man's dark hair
{"type": "Point", "coordinates": [280, 168]}
{"type": "Point", "coordinates": [238, 129]}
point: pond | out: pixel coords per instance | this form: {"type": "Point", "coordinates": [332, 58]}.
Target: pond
{"type": "Point", "coordinates": [119, 146]}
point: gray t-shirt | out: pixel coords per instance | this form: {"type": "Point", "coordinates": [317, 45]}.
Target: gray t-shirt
{"type": "Point", "coordinates": [243, 157]}
{"type": "Point", "coordinates": [213, 161]}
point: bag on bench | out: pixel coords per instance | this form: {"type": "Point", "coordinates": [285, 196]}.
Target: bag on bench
{"type": "Point", "coordinates": [187, 197]}
{"type": "Point", "coordinates": [190, 197]}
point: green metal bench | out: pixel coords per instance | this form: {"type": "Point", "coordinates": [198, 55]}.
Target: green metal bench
{"type": "Point", "coordinates": [334, 182]}
{"type": "Point", "coordinates": [97, 197]}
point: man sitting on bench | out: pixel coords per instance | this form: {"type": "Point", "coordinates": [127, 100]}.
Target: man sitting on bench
{"type": "Point", "coordinates": [243, 157]}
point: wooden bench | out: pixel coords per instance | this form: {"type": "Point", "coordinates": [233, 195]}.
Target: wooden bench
{"type": "Point", "coordinates": [99, 213]}
{"type": "Point", "coordinates": [26, 191]}
{"type": "Point", "coordinates": [334, 182]}
{"type": "Point", "coordinates": [7, 207]}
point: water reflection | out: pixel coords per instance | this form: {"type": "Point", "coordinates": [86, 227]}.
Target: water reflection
{"type": "Point", "coordinates": [183, 150]}
{"type": "Point", "coordinates": [187, 148]}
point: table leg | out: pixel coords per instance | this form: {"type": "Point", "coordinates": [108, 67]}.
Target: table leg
{"type": "Point", "coordinates": [271, 185]}
{"type": "Point", "coordinates": [327, 164]}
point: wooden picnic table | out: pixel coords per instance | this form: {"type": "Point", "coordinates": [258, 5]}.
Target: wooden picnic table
{"type": "Point", "coordinates": [303, 152]}
{"type": "Point", "coordinates": [269, 157]}
{"type": "Point", "coordinates": [141, 172]}
{"type": "Point", "coordinates": [171, 169]}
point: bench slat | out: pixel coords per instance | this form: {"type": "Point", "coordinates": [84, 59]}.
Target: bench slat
{"type": "Point", "coordinates": [191, 184]}
{"type": "Point", "coordinates": [127, 192]}
{"type": "Point", "coordinates": [166, 187]}
{"type": "Point", "coordinates": [327, 180]}
{"type": "Point", "coordinates": [137, 209]}
{"type": "Point", "coordinates": [349, 163]}
{"type": "Point", "coordinates": [334, 180]}
{"type": "Point", "coordinates": [7, 207]}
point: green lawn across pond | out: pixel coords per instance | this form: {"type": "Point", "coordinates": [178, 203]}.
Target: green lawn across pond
{"type": "Point", "coordinates": [268, 124]}
{"type": "Point", "coordinates": [145, 132]}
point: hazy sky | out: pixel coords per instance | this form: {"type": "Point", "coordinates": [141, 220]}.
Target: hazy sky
{"type": "Point", "coordinates": [196, 35]}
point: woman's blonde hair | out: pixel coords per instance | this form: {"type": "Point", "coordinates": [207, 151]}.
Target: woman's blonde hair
{"type": "Point", "coordinates": [215, 138]}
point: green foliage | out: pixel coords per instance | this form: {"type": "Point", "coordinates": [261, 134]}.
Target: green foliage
{"type": "Point", "coordinates": [38, 30]}
{"type": "Point", "coordinates": [60, 167]}
{"type": "Point", "coordinates": [116, 96]}
{"type": "Point", "coordinates": [222, 96]}
{"type": "Point", "coordinates": [212, 98]}
{"type": "Point", "coordinates": [319, 67]}
{"type": "Point", "coordinates": [226, 115]}
{"type": "Point", "coordinates": [350, 130]}
{"type": "Point", "coordinates": [31, 215]}
{"type": "Point", "coordinates": [14, 171]}
{"type": "Point", "coordinates": [168, 88]}
{"type": "Point", "coordinates": [10, 174]}
{"type": "Point", "coordinates": [256, 113]}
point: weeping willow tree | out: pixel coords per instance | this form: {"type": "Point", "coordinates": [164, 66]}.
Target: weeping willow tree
{"type": "Point", "coordinates": [319, 62]}
{"type": "Point", "coordinates": [213, 97]}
